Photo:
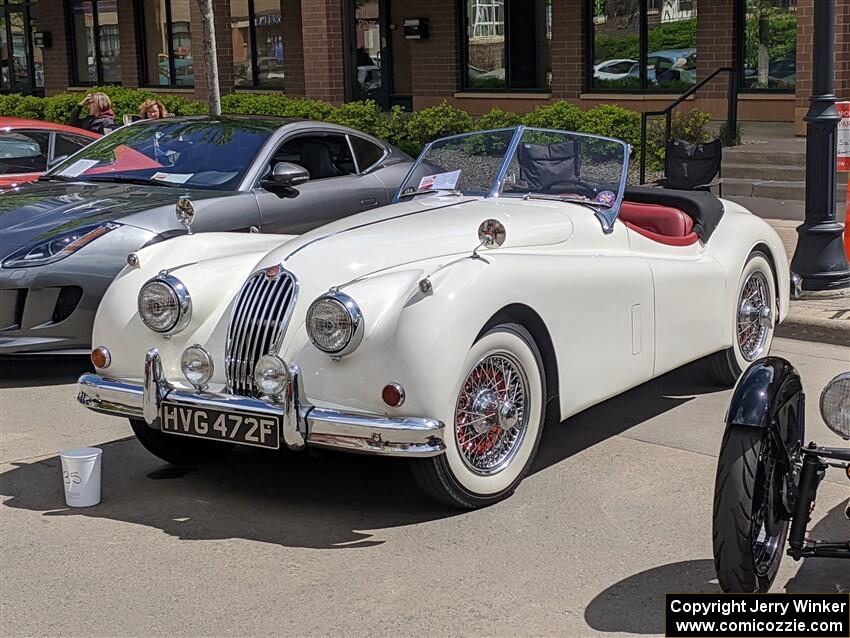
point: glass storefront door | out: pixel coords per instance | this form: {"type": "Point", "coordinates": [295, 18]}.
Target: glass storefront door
{"type": "Point", "coordinates": [369, 57]}
{"type": "Point", "coordinates": [21, 68]}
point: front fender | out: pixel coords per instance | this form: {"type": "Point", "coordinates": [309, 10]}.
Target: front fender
{"type": "Point", "coordinates": [769, 395]}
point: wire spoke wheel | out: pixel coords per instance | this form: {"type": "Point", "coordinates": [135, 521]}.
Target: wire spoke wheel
{"type": "Point", "coordinates": [755, 316]}
{"type": "Point", "coordinates": [766, 533]}
{"type": "Point", "coordinates": [491, 416]}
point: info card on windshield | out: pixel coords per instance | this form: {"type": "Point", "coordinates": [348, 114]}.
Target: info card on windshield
{"type": "Point", "coordinates": [440, 181]}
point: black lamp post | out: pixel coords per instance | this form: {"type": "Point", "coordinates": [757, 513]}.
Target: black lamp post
{"type": "Point", "coordinates": [819, 258]}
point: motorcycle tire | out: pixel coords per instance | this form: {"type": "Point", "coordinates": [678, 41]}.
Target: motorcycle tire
{"type": "Point", "coordinates": [750, 526]}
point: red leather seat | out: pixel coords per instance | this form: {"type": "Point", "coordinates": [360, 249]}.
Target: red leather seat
{"type": "Point", "coordinates": [655, 218]}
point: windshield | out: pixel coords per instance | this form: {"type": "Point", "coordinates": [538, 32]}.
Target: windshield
{"type": "Point", "coordinates": [525, 162]}
{"type": "Point", "coordinates": [210, 154]}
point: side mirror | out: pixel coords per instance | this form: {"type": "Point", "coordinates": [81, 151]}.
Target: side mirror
{"type": "Point", "coordinates": [285, 176]}
{"type": "Point", "coordinates": [56, 161]}
{"type": "Point", "coordinates": [288, 174]}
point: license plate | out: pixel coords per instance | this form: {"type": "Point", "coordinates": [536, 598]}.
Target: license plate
{"type": "Point", "coordinates": [233, 427]}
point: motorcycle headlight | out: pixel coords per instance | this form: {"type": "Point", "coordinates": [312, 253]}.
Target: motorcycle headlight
{"type": "Point", "coordinates": [335, 324]}
{"type": "Point", "coordinates": [165, 304]}
{"type": "Point", "coordinates": [57, 247]}
{"type": "Point", "coordinates": [835, 405]}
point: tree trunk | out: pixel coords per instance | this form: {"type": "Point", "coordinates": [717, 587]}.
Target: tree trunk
{"type": "Point", "coordinates": [211, 57]}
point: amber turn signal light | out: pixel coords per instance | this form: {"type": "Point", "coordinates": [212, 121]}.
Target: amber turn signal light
{"type": "Point", "coordinates": [393, 395]}
{"type": "Point", "coordinates": [100, 357]}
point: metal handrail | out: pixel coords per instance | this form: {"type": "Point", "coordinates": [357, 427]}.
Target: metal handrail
{"type": "Point", "coordinates": [731, 114]}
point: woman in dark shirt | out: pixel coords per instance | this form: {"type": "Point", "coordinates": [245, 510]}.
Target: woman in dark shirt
{"type": "Point", "coordinates": [101, 119]}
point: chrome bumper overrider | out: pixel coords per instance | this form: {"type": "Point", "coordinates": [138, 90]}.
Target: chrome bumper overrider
{"type": "Point", "coordinates": [303, 424]}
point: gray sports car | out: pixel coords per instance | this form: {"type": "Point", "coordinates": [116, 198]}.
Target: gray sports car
{"type": "Point", "coordinates": [64, 238]}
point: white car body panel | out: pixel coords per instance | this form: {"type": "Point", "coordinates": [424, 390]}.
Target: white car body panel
{"type": "Point", "coordinates": [619, 308]}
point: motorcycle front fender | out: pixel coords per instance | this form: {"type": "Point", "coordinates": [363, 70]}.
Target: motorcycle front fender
{"type": "Point", "coordinates": [769, 395]}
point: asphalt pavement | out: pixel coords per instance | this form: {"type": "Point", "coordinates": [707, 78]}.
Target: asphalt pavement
{"type": "Point", "coordinates": [616, 512]}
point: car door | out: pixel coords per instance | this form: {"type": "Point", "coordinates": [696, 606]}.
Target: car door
{"type": "Point", "coordinates": [23, 154]}
{"type": "Point", "coordinates": [66, 144]}
{"type": "Point", "coordinates": [337, 187]}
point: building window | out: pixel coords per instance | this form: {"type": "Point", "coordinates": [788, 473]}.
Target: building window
{"type": "Point", "coordinates": [167, 43]}
{"type": "Point", "coordinates": [770, 45]}
{"type": "Point", "coordinates": [95, 44]}
{"type": "Point", "coordinates": [507, 44]}
{"type": "Point", "coordinates": [257, 28]}
{"type": "Point", "coordinates": [643, 44]}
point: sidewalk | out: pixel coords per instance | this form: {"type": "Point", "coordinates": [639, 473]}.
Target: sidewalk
{"type": "Point", "coordinates": [823, 320]}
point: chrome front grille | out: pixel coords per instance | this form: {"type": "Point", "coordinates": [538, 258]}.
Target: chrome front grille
{"type": "Point", "coordinates": [258, 321]}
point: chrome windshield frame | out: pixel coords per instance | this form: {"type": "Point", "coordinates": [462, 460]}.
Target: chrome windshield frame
{"type": "Point", "coordinates": [607, 216]}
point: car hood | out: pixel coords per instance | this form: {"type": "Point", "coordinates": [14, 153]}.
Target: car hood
{"type": "Point", "coordinates": [36, 212]}
{"type": "Point", "coordinates": [425, 228]}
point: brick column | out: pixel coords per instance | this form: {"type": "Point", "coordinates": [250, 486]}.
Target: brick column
{"type": "Point", "coordinates": [568, 44]}
{"type": "Point", "coordinates": [130, 47]}
{"type": "Point", "coordinates": [434, 62]}
{"type": "Point", "coordinates": [324, 55]}
{"type": "Point", "coordinates": [57, 60]}
{"type": "Point", "coordinates": [842, 49]}
{"type": "Point", "coordinates": [805, 41]}
{"type": "Point", "coordinates": [293, 48]}
{"type": "Point", "coordinates": [224, 46]}
{"type": "Point", "coordinates": [715, 48]}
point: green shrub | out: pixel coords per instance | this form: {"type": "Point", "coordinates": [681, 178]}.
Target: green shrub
{"type": "Point", "coordinates": [363, 116]}
{"type": "Point", "coordinates": [496, 118]}
{"type": "Point", "coordinates": [58, 108]}
{"type": "Point", "coordinates": [612, 121]}
{"type": "Point", "coordinates": [437, 121]}
{"type": "Point", "coordinates": [393, 126]}
{"type": "Point", "coordinates": [410, 132]}
{"type": "Point", "coordinates": [691, 126]}
{"type": "Point", "coordinates": [560, 115]}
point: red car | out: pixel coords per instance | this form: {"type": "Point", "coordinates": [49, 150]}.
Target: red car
{"type": "Point", "coordinates": [27, 147]}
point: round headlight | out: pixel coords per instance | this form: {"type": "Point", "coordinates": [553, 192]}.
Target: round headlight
{"type": "Point", "coordinates": [271, 375]}
{"type": "Point", "coordinates": [335, 324]}
{"type": "Point", "coordinates": [197, 366]}
{"type": "Point", "coordinates": [164, 304]}
{"type": "Point", "coordinates": [835, 405]}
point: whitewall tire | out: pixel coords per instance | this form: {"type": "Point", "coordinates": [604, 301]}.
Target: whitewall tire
{"type": "Point", "coordinates": [493, 427]}
{"type": "Point", "coordinates": [753, 320]}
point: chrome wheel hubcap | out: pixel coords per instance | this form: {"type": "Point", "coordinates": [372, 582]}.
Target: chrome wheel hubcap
{"type": "Point", "coordinates": [755, 316]}
{"type": "Point", "coordinates": [491, 415]}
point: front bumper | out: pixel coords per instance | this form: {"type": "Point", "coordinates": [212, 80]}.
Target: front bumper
{"type": "Point", "coordinates": [303, 424]}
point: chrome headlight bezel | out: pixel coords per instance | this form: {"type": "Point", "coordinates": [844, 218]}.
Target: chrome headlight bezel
{"type": "Point", "coordinates": [349, 309]}
{"type": "Point", "coordinates": [181, 297]}
{"type": "Point", "coordinates": [835, 405]}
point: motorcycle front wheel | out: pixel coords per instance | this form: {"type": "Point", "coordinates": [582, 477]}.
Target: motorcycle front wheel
{"type": "Point", "coordinates": [750, 525]}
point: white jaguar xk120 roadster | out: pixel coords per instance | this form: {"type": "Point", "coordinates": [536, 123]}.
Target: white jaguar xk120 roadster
{"type": "Point", "coordinates": [515, 281]}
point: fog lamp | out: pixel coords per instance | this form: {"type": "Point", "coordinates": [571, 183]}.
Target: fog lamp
{"type": "Point", "coordinates": [271, 375]}
{"type": "Point", "coordinates": [100, 357]}
{"type": "Point", "coordinates": [197, 366]}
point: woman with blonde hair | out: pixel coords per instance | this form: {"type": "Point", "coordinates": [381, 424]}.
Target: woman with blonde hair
{"type": "Point", "coordinates": [101, 118]}
{"type": "Point", "coordinates": [152, 109]}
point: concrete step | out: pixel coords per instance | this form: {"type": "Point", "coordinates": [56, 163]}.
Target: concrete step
{"type": "Point", "coordinates": [772, 189]}
{"type": "Point", "coordinates": [763, 154]}
{"type": "Point", "coordinates": [783, 173]}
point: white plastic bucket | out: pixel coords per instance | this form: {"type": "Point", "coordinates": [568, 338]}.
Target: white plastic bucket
{"type": "Point", "coordinates": [81, 476]}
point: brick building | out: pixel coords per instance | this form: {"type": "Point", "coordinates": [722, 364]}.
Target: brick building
{"type": "Point", "coordinates": [515, 54]}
